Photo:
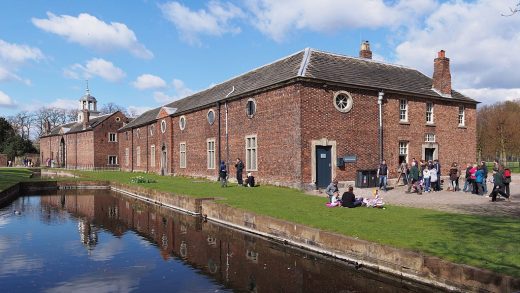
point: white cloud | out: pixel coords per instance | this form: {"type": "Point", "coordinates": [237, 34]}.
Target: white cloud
{"type": "Point", "coordinates": [148, 81]}
{"type": "Point", "coordinates": [6, 101]}
{"type": "Point", "coordinates": [277, 18]}
{"type": "Point", "coordinates": [483, 45]}
{"type": "Point", "coordinates": [213, 21]}
{"type": "Point", "coordinates": [180, 91]}
{"type": "Point", "coordinates": [137, 110]}
{"type": "Point", "coordinates": [89, 31]}
{"type": "Point", "coordinates": [489, 96]}
{"type": "Point", "coordinates": [64, 104]}
{"type": "Point", "coordinates": [95, 67]}
{"type": "Point", "coordinates": [13, 56]}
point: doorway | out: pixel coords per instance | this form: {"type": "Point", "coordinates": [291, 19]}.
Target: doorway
{"type": "Point", "coordinates": [428, 154]}
{"type": "Point", "coordinates": [61, 157]}
{"type": "Point", "coordinates": [323, 166]}
{"type": "Point", "coordinates": [164, 160]}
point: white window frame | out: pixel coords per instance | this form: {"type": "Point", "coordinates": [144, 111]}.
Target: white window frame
{"type": "Point", "coordinates": [251, 115]}
{"type": "Point", "coordinates": [251, 152]}
{"type": "Point", "coordinates": [138, 156]}
{"type": "Point", "coordinates": [127, 156]}
{"type": "Point", "coordinates": [182, 125]}
{"type": "Point", "coordinates": [429, 113]}
{"type": "Point", "coordinates": [214, 116]}
{"type": "Point", "coordinates": [112, 156]}
{"type": "Point", "coordinates": [163, 126]}
{"type": "Point", "coordinates": [403, 110]}
{"type": "Point", "coordinates": [152, 129]}
{"type": "Point", "coordinates": [210, 146]}
{"type": "Point", "coordinates": [182, 155]}
{"type": "Point", "coordinates": [462, 116]}
{"type": "Point", "coordinates": [429, 137]}
{"type": "Point", "coordinates": [114, 135]}
{"type": "Point", "coordinates": [403, 149]}
{"type": "Point", "coordinates": [152, 155]}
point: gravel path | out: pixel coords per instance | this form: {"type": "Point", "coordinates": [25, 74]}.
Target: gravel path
{"type": "Point", "coordinates": [457, 202]}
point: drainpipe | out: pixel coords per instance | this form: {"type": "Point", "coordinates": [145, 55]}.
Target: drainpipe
{"type": "Point", "coordinates": [227, 135]}
{"type": "Point", "coordinates": [219, 146]}
{"type": "Point", "coordinates": [147, 153]}
{"type": "Point", "coordinates": [380, 104]}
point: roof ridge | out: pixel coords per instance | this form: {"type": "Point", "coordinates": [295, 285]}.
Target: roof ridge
{"type": "Point", "coordinates": [305, 61]}
{"type": "Point", "coordinates": [364, 59]}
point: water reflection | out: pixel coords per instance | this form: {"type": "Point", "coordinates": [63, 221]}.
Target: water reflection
{"type": "Point", "coordinates": [193, 254]}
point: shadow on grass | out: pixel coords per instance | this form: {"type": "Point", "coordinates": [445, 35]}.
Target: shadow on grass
{"type": "Point", "coordinates": [489, 242]}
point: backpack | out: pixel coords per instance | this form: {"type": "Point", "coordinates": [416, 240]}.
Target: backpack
{"type": "Point", "coordinates": [507, 176]}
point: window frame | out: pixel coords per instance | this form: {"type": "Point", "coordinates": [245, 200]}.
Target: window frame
{"type": "Point", "coordinates": [214, 116]}
{"type": "Point", "coordinates": [404, 145]}
{"type": "Point", "coordinates": [349, 100]}
{"type": "Point", "coordinates": [430, 113]}
{"type": "Point", "coordinates": [183, 160]}
{"type": "Point", "coordinates": [251, 152]}
{"type": "Point", "coordinates": [182, 125]}
{"type": "Point", "coordinates": [152, 155]}
{"type": "Point", "coordinates": [462, 116]}
{"type": "Point", "coordinates": [210, 154]}
{"type": "Point", "coordinates": [115, 158]}
{"type": "Point", "coordinates": [112, 134]}
{"type": "Point", "coordinates": [403, 112]}
{"type": "Point", "coordinates": [429, 137]}
{"type": "Point", "coordinates": [253, 102]}
{"type": "Point", "coordinates": [163, 126]}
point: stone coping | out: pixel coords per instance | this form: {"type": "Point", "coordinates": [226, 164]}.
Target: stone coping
{"type": "Point", "coordinates": [403, 263]}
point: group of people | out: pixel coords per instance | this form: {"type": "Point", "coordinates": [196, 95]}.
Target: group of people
{"type": "Point", "coordinates": [425, 176]}
{"type": "Point", "coordinates": [348, 199]}
{"type": "Point", "coordinates": [239, 166]}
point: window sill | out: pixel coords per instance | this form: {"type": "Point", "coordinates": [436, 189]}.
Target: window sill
{"type": "Point", "coordinates": [404, 123]}
{"type": "Point", "coordinates": [430, 124]}
{"type": "Point", "coordinates": [462, 126]}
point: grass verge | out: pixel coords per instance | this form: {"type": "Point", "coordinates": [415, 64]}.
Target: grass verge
{"type": "Point", "coordinates": [11, 176]}
{"type": "Point", "coordinates": [487, 242]}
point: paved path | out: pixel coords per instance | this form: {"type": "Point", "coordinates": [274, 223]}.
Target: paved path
{"type": "Point", "coordinates": [457, 202]}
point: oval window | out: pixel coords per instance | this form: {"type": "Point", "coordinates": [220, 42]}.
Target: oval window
{"type": "Point", "coordinates": [152, 129]}
{"type": "Point", "coordinates": [118, 119]}
{"type": "Point", "coordinates": [163, 126]}
{"type": "Point", "coordinates": [343, 101]}
{"type": "Point", "coordinates": [211, 117]}
{"type": "Point", "coordinates": [182, 122]}
{"type": "Point", "coordinates": [251, 108]}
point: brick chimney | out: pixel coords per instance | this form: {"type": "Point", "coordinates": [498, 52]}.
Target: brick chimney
{"type": "Point", "coordinates": [441, 74]}
{"type": "Point", "coordinates": [47, 126]}
{"type": "Point", "coordinates": [86, 118]}
{"type": "Point", "coordinates": [365, 50]}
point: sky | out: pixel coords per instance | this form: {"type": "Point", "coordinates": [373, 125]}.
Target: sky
{"type": "Point", "coordinates": [142, 54]}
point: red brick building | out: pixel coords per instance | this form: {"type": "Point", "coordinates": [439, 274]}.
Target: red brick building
{"type": "Point", "coordinates": [88, 143]}
{"type": "Point", "coordinates": [295, 122]}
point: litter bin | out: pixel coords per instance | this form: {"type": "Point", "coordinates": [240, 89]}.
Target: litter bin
{"type": "Point", "coordinates": [366, 178]}
{"type": "Point", "coordinates": [361, 179]}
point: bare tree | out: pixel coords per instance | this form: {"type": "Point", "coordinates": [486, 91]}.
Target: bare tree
{"type": "Point", "coordinates": [21, 123]}
{"type": "Point", "coordinates": [513, 10]}
{"type": "Point", "coordinates": [111, 108]}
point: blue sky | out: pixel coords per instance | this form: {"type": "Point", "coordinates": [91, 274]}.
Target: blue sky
{"type": "Point", "coordinates": [142, 53]}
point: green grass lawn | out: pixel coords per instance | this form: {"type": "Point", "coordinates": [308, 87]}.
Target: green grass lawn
{"type": "Point", "coordinates": [487, 242]}
{"type": "Point", "coordinates": [11, 176]}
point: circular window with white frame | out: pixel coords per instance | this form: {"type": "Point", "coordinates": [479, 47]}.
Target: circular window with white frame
{"type": "Point", "coordinates": [251, 108]}
{"type": "Point", "coordinates": [118, 119]}
{"type": "Point", "coordinates": [343, 101]}
{"type": "Point", "coordinates": [211, 116]}
{"type": "Point", "coordinates": [182, 122]}
{"type": "Point", "coordinates": [163, 126]}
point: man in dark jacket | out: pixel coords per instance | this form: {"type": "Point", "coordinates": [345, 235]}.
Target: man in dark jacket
{"type": "Point", "coordinates": [382, 172]}
{"type": "Point", "coordinates": [349, 200]}
{"type": "Point", "coordinates": [437, 166]}
{"type": "Point", "coordinates": [223, 174]}
{"type": "Point", "coordinates": [414, 178]}
{"type": "Point", "coordinates": [498, 186]}
{"type": "Point", "coordinates": [240, 168]}
{"type": "Point", "coordinates": [485, 174]}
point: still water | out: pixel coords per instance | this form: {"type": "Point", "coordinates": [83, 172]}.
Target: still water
{"type": "Point", "coordinates": [102, 241]}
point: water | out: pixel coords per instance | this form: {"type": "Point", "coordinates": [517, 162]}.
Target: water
{"type": "Point", "coordinates": [100, 241]}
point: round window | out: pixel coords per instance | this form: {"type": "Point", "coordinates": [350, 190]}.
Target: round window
{"type": "Point", "coordinates": [182, 122]}
{"type": "Point", "coordinates": [118, 119]}
{"type": "Point", "coordinates": [211, 117]}
{"type": "Point", "coordinates": [163, 126]}
{"type": "Point", "coordinates": [343, 101]}
{"type": "Point", "coordinates": [251, 108]}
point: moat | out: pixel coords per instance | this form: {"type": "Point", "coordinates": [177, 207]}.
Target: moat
{"type": "Point", "coordinates": [102, 241]}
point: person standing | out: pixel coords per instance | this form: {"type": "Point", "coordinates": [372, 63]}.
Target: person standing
{"type": "Point", "coordinates": [403, 169]}
{"type": "Point", "coordinates": [414, 178]}
{"type": "Point", "coordinates": [223, 174]}
{"type": "Point", "coordinates": [426, 179]}
{"type": "Point", "coordinates": [454, 177]}
{"type": "Point", "coordinates": [382, 172]}
{"type": "Point", "coordinates": [479, 178]}
{"type": "Point", "coordinates": [332, 188]}
{"type": "Point", "coordinates": [437, 165]}
{"type": "Point", "coordinates": [507, 180]}
{"type": "Point", "coordinates": [240, 168]}
{"type": "Point", "coordinates": [485, 176]}
{"type": "Point", "coordinates": [433, 176]}
{"type": "Point", "coordinates": [467, 183]}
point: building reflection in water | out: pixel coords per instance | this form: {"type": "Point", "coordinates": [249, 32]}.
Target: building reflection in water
{"type": "Point", "coordinates": [239, 261]}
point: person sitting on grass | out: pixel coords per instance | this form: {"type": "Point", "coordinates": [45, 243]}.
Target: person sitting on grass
{"type": "Point", "coordinates": [250, 180]}
{"type": "Point", "coordinates": [335, 201]}
{"type": "Point", "coordinates": [349, 200]}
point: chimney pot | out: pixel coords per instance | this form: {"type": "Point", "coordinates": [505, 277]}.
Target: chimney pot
{"type": "Point", "coordinates": [442, 54]}
{"type": "Point", "coordinates": [365, 50]}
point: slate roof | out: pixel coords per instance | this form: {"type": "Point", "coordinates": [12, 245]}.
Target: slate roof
{"type": "Point", "coordinates": [311, 64]}
{"type": "Point", "coordinates": [74, 127]}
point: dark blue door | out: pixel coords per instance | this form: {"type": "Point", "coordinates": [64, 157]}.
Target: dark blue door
{"type": "Point", "coordinates": [323, 166]}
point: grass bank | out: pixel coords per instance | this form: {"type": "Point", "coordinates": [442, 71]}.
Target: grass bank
{"type": "Point", "coordinates": [487, 242]}
{"type": "Point", "coordinates": [11, 176]}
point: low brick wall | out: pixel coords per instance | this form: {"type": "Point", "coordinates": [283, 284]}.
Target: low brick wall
{"type": "Point", "coordinates": [400, 262]}
{"type": "Point", "coordinates": [10, 194]}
